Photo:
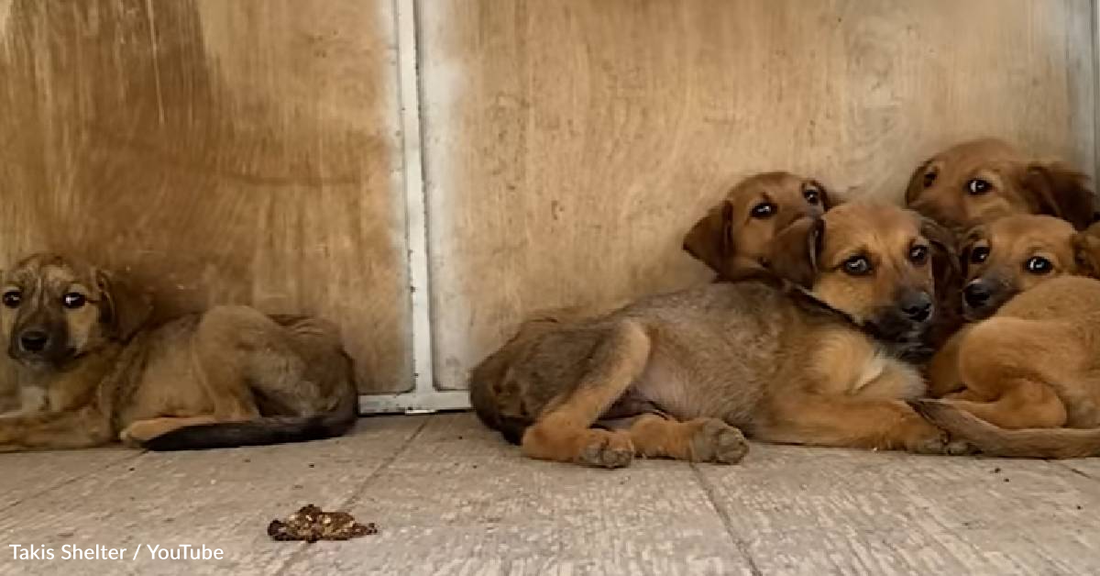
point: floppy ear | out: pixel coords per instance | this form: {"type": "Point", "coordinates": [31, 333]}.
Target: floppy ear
{"type": "Point", "coordinates": [711, 239]}
{"type": "Point", "coordinates": [1086, 250]}
{"type": "Point", "coordinates": [1059, 191]}
{"type": "Point", "coordinates": [127, 308]}
{"type": "Point", "coordinates": [794, 251]}
{"type": "Point", "coordinates": [946, 266]}
{"type": "Point", "coordinates": [916, 182]}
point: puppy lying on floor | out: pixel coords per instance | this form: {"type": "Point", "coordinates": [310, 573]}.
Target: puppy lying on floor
{"type": "Point", "coordinates": [820, 363]}
{"type": "Point", "coordinates": [1033, 367]}
{"type": "Point", "coordinates": [733, 239]}
{"type": "Point", "coordinates": [89, 373]}
{"type": "Point", "coordinates": [978, 181]}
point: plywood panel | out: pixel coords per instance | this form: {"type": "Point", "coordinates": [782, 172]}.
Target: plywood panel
{"type": "Point", "coordinates": [570, 143]}
{"type": "Point", "coordinates": [219, 151]}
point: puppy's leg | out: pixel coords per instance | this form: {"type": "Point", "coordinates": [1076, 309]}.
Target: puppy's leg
{"type": "Point", "coordinates": [562, 431]}
{"type": "Point", "coordinates": [83, 428]}
{"type": "Point", "coordinates": [144, 430]}
{"type": "Point", "coordinates": [698, 440]}
{"type": "Point", "coordinates": [854, 422]}
{"type": "Point", "coordinates": [1009, 387]}
{"type": "Point", "coordinates": [943, 369]}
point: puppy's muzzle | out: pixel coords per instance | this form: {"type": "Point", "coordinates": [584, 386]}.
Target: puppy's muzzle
{"type": "Point", "coordinates": [33, 341]}
{"type": "Point", "coordinates": [982, 297]}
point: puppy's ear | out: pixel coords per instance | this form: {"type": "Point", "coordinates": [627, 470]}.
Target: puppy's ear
{"type": "Point", "coordinates": [1059, 191]}
{"type": "Point", "coordinates": [711, 238]}
{"type": "Point", "coordinates": [916, 182]}
{"type": "Point", "coordinates": [1086, 250]}
{"type": "Point", "coordinates": [795, 249]}
{"type": "Point", "coordinates": [127, 308]}
{"type": "Point", "coordinates": [946, 266]}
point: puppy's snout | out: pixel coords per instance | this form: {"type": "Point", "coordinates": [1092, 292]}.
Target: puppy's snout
{"type": "Point", "coordinates": [977, 294]}
{"type": "Point", "coordinates": [34, 340]}
{"type": "Point", "coordinates": [917, 306]}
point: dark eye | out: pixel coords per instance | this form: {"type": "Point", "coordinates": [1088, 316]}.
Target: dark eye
{"type": "Point", "coordinates": [812, 195]}
{"type": "Point", "coordinates": [1038, 265]}
{"type": "Point", "coordinates": [930, 178]}
{"type": "Point", "coordinates": [918, 254]}
{"type": "Point", "coordinates": [763, 210]}
{"type": "Point", "coordinates": [12, 298]}
{"type": "Point", "coordinates": [72, 300]}
{"type": "Point", "coordinates": [857, 265]}
{"type": "Point", "coordinates": [978, 254]}
{"type": "Point", "coordinates": [977, 186]}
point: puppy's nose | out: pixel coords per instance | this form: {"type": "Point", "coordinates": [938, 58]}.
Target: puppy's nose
{"type": "Point", "coordinates": [976, 294]}
{"type": "Point", "coordinates": [34, 340]}
{"type": "Point", "coordinates": [917, 306]}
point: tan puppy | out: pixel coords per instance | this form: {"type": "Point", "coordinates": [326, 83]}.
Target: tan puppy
{"type": "Point", "coordinates": [90, 374]}
{"type": "Point", "coordinates": [733, 239]}
{"type": "Point", "coordinates": [735, 235]}
{"type": "Point", "coordinates": [979, 181]}
{"type": "Point", "coordinates": [819, 363]}
{"type": "Point", "coordinates": [1000, 260]}
{"type": "Point", "coordinates": [1033, 365]}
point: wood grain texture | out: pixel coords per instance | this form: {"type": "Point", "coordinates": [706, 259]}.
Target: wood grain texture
{"type": "Point", "coordinates": [217, 151]}
{"type": "Point", "coordinates": [569, 144]}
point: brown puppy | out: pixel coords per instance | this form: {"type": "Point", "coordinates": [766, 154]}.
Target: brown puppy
{"type": "Point", "coordinates": [734, 237]}
{"type": "Point", "coordinates": [1000, 260]}
{"type": "Point", "coordinates": [818, 362]}
{"type": "Point", "coordinates": [90, 374]}
{"type": "Point", "coordinates": [979, 181]}
{"type": "Point", "coordinates": [1033, 365]}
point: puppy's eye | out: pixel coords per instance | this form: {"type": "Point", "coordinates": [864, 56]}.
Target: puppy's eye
{"type": "Point", "coordinates": [930, 178]}
{"type": "Point", "coordinates": [72, 300]}
{"type": "Point", "coordinates": [978, 254]}
{"type": "Point", "coordinates": [12, 298]}
{"type": "Point", "coordinates": [918, 254]}
{"type": "Point", "coordinates": [763, 210]}
{"type": "Point", "coordinates": [1038, 265]}
{"type": "Point", "coordinates": [812, 195]}
{"type": "Point", "coordinates": [977, 186]}
{"type": "Point", "coordinates": [857, 266]}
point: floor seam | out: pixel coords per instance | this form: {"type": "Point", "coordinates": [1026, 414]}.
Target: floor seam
{"type": "Point", "coordinates": [1074, 470]}
{"type": "Point", "coordinates": [72, 480]}
{"type": "Point", "coordinates": [304, 547]}
{"type": "Point", "coordinates": [738, 542]}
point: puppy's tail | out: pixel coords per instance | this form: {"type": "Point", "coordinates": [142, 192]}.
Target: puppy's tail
{"type": "Point", "coordinates": [266, 430]}
{"type": "Point", "coordinates": [1054, 443]}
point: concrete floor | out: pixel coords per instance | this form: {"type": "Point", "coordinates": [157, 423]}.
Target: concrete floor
{"type": "Point", "coordinates": [451, 498]}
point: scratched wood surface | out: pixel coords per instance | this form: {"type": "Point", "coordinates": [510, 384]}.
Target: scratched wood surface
{"type": "Point", "coordinates": [570, 143]}
{"type": "Point", "coordinates": [450, 497]}
{"type": "Point", "coordinates": [217, 151]}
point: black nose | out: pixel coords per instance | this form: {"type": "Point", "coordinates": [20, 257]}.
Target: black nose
{"type": "Point", "coordinates": [976, 294]}
{"type": "Point", "coordinates": [917, 306]}
{"type": "Point", "coordinates": [33, 340]}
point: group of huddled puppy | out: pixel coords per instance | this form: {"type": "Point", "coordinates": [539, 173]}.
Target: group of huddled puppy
{"type": "Point", "coordinates": [967, 321]}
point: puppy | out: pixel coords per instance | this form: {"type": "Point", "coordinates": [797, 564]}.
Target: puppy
{"type": "Point", "coordinates": [1033, 365]}
{"type": "Point", "coordinates": [92, 373]}
{"type": "Point", "coordinates": [979, 181]}
{"type": "Point", "coordinates": [814, 359]}
{"type": "Point", "coordinates": [734, 237]}
{"type": "Point", "coordinates": [1000, 260]}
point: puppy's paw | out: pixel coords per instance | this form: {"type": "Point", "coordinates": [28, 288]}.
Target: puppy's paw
{"type": "Point", "coordinates": [718, 442]}
{"type": "Point", "coordinates": [142, 431]}
{"type": "Point", "coordinates": [605, 449]}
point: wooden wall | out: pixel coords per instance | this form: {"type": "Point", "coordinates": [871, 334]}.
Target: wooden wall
{"type": "Point", "coordinates": [249, 150]}
{"type": "Point", "coordinates": [570, 143]}
{"type": "Point", "coordinates": [220, 151]}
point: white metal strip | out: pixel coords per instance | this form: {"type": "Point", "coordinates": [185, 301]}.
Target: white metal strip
{"type": "Point", "coordinates": [424, 396]}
